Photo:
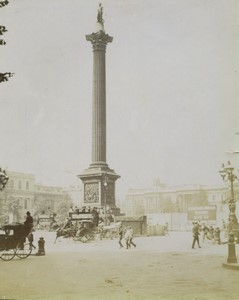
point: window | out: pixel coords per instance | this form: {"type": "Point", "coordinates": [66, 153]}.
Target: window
{"type": "Point", "coordinates": [27, 185]}
{"type": "Point", "coordinates": [19, 185]}
{"type": "Point", "coordinates": [25, 203]}
{"type": "Point", "coordinates": [10, 184]}
{"type": "Point", "coordinates": [152, 203]}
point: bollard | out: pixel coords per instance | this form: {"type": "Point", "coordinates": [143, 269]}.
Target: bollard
{"type": "Point", "coordinates": [41, 246]}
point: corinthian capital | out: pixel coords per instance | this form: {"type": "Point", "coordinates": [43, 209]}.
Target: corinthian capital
{"type": "Point", "coordinates": [99, 40]}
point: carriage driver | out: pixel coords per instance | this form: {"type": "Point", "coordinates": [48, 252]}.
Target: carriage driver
{"type": "Point", "coordinates": [29, 220]}
{"type": "Point", "coordinates": [67, 223]}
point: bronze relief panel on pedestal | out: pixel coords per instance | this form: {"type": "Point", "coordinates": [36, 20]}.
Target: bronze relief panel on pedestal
{"type": "Point", "coordinates": [91, 193]}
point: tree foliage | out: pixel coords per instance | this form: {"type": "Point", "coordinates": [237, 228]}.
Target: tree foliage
{"type": "Point", "coordinates": [4, 76]}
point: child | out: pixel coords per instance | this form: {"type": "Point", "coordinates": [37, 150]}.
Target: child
{"type": "Point", "coordinates": [30, 239]}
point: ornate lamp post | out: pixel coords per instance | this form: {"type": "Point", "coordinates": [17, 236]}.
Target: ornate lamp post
{"type": "Point", "coordinates": [228, 176]}
{"type": "Point", "coordinates": [105, 178]}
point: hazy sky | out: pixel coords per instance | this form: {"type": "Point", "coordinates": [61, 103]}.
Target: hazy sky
{"type": "Point", "coordinates": [172, 89]}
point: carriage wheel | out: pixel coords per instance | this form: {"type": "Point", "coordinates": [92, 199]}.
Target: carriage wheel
{"type": "Point", "coordinates": [9, 251]}
{"type": "Point", "coordinates": [77, 238]}
{"type": "Point", "coordinates": [23, 250]}
{"type": "Point", "coordinates": [92, 236]}
{"type": "Point", "coordinates": [85, 238]}
{"type": "Point", "coordinates": [7, 254]}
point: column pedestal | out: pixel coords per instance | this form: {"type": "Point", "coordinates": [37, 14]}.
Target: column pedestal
{"type": "Point", "coordinates": [94, 191]}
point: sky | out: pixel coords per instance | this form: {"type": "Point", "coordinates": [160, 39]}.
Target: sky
{"type": "Point", "coordinates": [172, 89]}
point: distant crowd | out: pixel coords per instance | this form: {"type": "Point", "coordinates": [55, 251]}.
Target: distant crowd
{"type": "Point", "coordinates": [88, 209]}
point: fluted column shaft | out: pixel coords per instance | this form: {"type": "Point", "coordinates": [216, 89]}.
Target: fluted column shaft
{"type": "Point", "coordinates": [99, 41]}
{"type": "Point", "coordinates": [99, 108]}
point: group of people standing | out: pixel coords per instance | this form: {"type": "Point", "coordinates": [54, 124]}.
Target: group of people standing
{"type": "Point", "coordinates": [210, 233]}
{"type": "Point", "coordinates": [128, 234]}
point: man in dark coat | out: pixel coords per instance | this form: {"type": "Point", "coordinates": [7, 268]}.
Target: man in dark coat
{"type": "Point", "coordinates": [196, 234]}
{"type": "Point", "coordinates": [28, 222]}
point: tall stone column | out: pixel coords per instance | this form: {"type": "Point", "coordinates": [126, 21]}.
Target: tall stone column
{"type": "Point", "coordinates": [99, 179]}
{"type": "Point", "coordinates": [99, 41]}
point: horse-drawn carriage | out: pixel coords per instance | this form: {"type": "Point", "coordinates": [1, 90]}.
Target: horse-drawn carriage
{"type": "Point", "coordinates": [85, 226]}
{"type": "Point", "coordinates": [109, 231]}
{"type": "Point", "coordinates": [13, 241]}
{"type": "Point", "coordinates": [80, 227]}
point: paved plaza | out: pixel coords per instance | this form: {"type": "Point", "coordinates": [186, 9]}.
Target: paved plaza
{"type": "Point", "coordinates": [162, 267]}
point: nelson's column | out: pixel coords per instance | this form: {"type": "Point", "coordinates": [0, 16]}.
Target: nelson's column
{"type": "Point", "coordinates": [99, 180]}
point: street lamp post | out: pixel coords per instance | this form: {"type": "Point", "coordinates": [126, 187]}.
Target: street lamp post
{"type": "Point", "coordinates": [105, 178]}
{"type": "Point", "coordinates": [227, 175]}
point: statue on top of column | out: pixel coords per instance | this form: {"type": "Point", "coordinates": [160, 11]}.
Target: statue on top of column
{"type": "Point", "coordinates": [100, 14]}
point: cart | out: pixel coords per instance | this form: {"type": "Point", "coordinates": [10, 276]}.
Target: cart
{"type": "Point", "coordinates": [109, 231]}
{"type": "Point", "coordinates": [86, 232]}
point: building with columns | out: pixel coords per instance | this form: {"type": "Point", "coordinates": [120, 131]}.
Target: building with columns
{"type": "Point", "coordinates": [163, 199]}
{"type": "Point", "coordinates": [23, 194]}
{"type": "Point", "coordinates": [18, 196]}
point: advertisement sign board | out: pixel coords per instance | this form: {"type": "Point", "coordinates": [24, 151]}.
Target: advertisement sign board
{"type": "Point", "coordinates": [202, 213]}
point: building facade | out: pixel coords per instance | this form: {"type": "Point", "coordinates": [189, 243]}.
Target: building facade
{"type": "Point", "coordinates": [23, 194]}
{"type": "Point", "coordinates": [49, 199]}
{"type": "Point", "coordinates": [178, 200]}
{"type": "Point", "coordinates": [17, 197]}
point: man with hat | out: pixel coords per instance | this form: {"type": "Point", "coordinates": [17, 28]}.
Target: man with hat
{"type": "Point", "coordinates": [196, 234]}
{"type": "Point", "coordinates": [28, 222]}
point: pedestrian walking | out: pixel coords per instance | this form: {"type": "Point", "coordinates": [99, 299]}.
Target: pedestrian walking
{"type": "Point", "coordinates": [205, 231]}
{"type": "Point", "coordinates": [120, 232]}
{"type": "Point", "coordinates": [129, 235]}
{"type": "Point", "coordinates": [217, 238]}
{"type": "Point", "coordinates": [31, 239]}
{"type": "Point", "coordinates": [196, 234]}
{"type": "Point", "coordinates": [166, 228]}
{"type": "Point", "coordinates": [211, 233]}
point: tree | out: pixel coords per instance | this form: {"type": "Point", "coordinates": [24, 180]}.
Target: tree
{"type": "Point", "coordinates": [4, 76]}
{"type": "Point", "coordinates": [62, 208]}
{"type": "Point", "coordinates": [3, 3]}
